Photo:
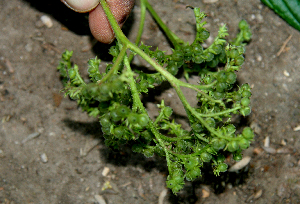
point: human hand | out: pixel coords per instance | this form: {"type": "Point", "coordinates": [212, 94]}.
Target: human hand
{"type": "Point", "coordinates": [99, 24]}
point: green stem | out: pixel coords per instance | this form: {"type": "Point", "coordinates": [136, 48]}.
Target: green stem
{"type": "Point", "coordinates": [202, 138]}
{"type": "Point", "coordinates": [172, 80]}
{"type": "Point", "coordinates": [176, 41]}
{"type": "Point", "coordinates": [239, 39]}
{"type": "Point", "coordinates": [141, 27]}
{"type": "Point", "coordinates": [78, 75]}
{"type": "Point", "coordinates": [116, 65]}
{"type": "Point", "coordinates": [182, 156]}
{"type": "Point", "coordinates": [138, 102]}
{"type": "Point", "coordinates": [174, 139]}
{"type": "Point", "coordinates": [127, 44]}
{"type": "Point", "coordinates": [219, 113]}
{"type": "Point", "coordinates": [206, 86]}
{"type": "Point", "coordinates": [187, 85]}
{"type": "Point", "coordinates": [142, 23]}
{"type": "Point", "coordinates": [159, 117]}
{"type": "Point", "coordinates": [193, 112]}
{"type": "Point", "coordinates": [153, 63]}
{"type": "Point", "coordinates": [114, 24]}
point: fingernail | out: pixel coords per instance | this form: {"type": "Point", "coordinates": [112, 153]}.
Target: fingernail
{"type": "Point", "coordinates": [81, 6]}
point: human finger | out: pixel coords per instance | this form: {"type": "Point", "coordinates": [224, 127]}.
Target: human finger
{"type": "Point", "coordinates": [99, 24]}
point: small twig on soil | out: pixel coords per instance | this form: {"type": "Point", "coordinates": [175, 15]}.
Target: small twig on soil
{"type": "Point", "coordinates": [31, 136]}
{"type": "Point", "coordinates": [90, 144]}
{"type": "Point", "coordinates": [49, 46]}
{"type": "Point", "coordinates": [126, 184]}
{"type": "Point", "coordinates": [282, 49]}
{"type": "Point", "coordinates": [141, 191]}
{"type": "Point", "coordinates": [9, 66]}
{"type": "Point", "coordinates": [162, 196]}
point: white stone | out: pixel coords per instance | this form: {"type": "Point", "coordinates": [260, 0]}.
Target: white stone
{"type": "Point", "coordinates": [47, 21]}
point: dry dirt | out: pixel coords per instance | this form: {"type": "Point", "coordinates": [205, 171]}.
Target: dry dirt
{"type": "Point", "coordinates": [51, 167]}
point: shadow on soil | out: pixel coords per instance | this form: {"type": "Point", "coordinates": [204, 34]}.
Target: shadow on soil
{"type": "Point", "coordinates": [125, 157]}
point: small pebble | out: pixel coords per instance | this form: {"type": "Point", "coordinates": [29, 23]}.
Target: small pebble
{"type": "Point", "coordinates": [285, 87]}
{"type": "Point", "coordinates": [241, 164]}
{"type": "Point", "coordinates": [297, 128]}
{"type": "Point", "coordinates": [259, 58]}
{"type": "Point", "coordinates": [255, 127]}
{"type": "Point", "coordinates": [210, 1]}
{"type": "Point", "coordinates": [270, 150]}
{"type": "Point", "coordinates": [283, 151]}
{"type": "Point", "coordinates": [1, 153]}
{"type": "Point", "coordinates": [28, 47]}
{"type": "Point", "coordinates": [260, 18]}
{"type": "Point", "coordinates": [205, 193]}
{"type": "Point", "coordinates": [283, 142]}
{"type": "Point", "coordinates": [52, 134]}
{"type": "Point", "coordinates": [47, 21]}
{"type": "Point", "coordinates": [257, 150]}
{"type": "Point", "coordinates": [258, 194]}
{"type": "Point", "coordinates": [100, 199]}
{"type": "Point", "coordinates": [286, 73]}
{"type": "Point", "coordinates": [105, 171]}
{"type": "Point", "coordinates": [267, 142]}
{"type": "Point", "coordinates": [210, 39]}
{"type": "Point", "coordinates": [44, 158]}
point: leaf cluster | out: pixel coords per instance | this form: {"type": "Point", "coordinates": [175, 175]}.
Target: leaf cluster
{"type": "Point", "coordinates": [114, 96]}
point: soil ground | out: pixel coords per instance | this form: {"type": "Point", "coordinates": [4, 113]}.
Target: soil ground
{"type": "Point", "coordinates": [58, 165]}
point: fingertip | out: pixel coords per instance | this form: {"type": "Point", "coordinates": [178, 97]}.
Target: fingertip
{"type": "Point", "coordinates": [99, 24]}
{"type": "Point", "coordinates": [100, 27]}
{"type": "Point", "coordinates": [121, 9]}
{"type": "Point", "coordinates": [81, 6]}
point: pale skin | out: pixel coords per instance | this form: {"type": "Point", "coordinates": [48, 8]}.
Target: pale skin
{"type": "Point", "coordinates": [98, 21]}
